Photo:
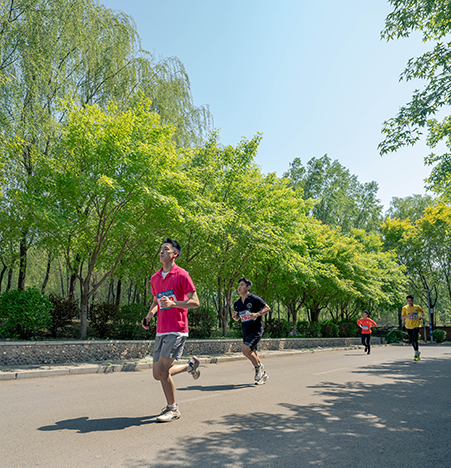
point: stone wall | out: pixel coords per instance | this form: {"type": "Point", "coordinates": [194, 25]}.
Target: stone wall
{"type": "Point", "coordinates": [15, 353]}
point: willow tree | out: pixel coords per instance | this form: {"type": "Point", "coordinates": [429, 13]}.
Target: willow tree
{"type": "Point", "coordinates": [58, 49]}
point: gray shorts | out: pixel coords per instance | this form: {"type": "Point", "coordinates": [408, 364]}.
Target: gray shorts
{"type": "Point", "coordinates": [170, 346]}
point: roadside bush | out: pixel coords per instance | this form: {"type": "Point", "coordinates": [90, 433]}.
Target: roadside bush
{"type": "Point", "coordinates": [329, 329]}
{"type": "Point", "coordinates": [24, 314]}
{"type": "Point", "coordinates": [394, 336]}
{"type": "Point", "coordinates": [202, 321]}
{"type": "Point", "coordinates": [308, 329]}
{"type": "Point", "coordinates": [348, 329]}
{"type": "Point", "coordinates": [127, 322]}
{"type": "Point", "coordinates": [277, 328]}
{"type": "Point", "coordinates": [439, 336]}
{"type": "Point", "coordinates": [63, 313]}
{"type": "Point", "coordinates": [103, 317]}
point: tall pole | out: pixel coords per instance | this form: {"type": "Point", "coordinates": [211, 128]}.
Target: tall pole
{"type": "Point", "coordinates": [431, 315]}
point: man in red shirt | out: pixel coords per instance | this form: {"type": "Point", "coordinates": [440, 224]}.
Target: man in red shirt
{"type": "Point", "coordinates": [365, 323]}
{"type": "Point", "coordinates": [173, 294]}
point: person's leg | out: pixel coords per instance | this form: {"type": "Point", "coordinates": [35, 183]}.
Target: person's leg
{"type": "Point", "coordinates": [251, 354]}
{"type": "Point", "coordinates": [362, 337]}
{"type": "Point", "coordinates": [162, 372]}
{"type": "Point", "coordinates": [415, 343]}
{"type": "Point", "coordinates": [368, 339]}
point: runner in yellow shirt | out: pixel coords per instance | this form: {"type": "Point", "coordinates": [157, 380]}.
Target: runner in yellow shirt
{"type": "Point", "coordinates": [413, 314]}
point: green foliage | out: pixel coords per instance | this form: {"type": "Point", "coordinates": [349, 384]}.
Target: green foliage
{"type": "Point", "coordinates": [127, 323]}
{"type": "Point", "coordinates": [24, 314]}
{"type": "Point", "coordinates": [432, 19]}
{"type": "Point", "coordinates": [340, 199]}
{"type": "Point", "coordinates": [329, 329]}
{"type": "Point", "coordinates": [103, 317]}
{"type": "Point", "coordinates": [439, 336]}
{"type": "Point", "coordinates": [308, 329]}
{"type": "Point", "coordinates": [394, 336]}
{"type": "Point", "coordinates": [348, 329]}
{"type": "Point", "coordinates": [277, 328]}
{"type": "Point", "coordinates": [63, 313]}
{"type": "Point", "coordinates": [202, 321]}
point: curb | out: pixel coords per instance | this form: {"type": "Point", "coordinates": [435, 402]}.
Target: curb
{"type": "Point", "coordinates": [143, 366]}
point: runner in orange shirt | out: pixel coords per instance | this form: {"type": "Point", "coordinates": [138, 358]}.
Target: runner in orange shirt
{"type": "Point", "coordinates": [365, 323]}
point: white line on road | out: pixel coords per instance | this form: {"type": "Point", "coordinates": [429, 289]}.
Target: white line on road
{"type": "Point", "coordinates": [329, 371]}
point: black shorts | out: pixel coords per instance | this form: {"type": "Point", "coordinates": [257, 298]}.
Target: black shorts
{"type": "Point", "coordinates": [252, 339]}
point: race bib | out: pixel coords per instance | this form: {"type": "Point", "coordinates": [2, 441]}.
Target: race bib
{"type": "Point", "coordinates": [413, 315]}
{"type": "Point", "coordinates": [364, 327]}
{"type": "Point", "coordinates": [169, 294]}
{"type": "Point", "coordinates": [245, 315]}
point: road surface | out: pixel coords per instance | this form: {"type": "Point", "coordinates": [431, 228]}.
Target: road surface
{"type": "Point", "coordinates": [334, 408]}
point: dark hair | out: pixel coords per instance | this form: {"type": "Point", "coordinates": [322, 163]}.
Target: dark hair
{"type": "Point", "coordinates": [246, 281]}
{"type": "Point", "coordinates": [175, 245]}
{"type": "Point", "coordinates": [410, 297]}
{"type": "Point", "coordinates": [366, 312]}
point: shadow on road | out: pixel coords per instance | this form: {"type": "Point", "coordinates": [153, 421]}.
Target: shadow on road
{"type": "Point", "coordinates": [215, 388]}
{"type": "Point", "coordinates": [84, 425]}
{"type": "Point", "coordinates": [403, 421]}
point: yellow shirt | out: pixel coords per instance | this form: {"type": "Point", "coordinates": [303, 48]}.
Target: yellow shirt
{"type": "Point", "coordinates": [414, 312]}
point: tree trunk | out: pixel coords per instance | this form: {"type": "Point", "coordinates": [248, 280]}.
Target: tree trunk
{"type": "Point", "coordinates": [10, 279]}
{"type": "Point", "coordinates": [130, 291]}
{"type": "Point", "coordinates": [84, 309]}
{"type": "Point", "coordinates": [1, 275]}
{"type": "Point", "coordinates": [61, 277]}
{"type": "Point", "coordinates": [118, 292]}
{"type": "Point", "coordinates": [22, 262]}
{"type": "Point", "coordinates": [47, 273]}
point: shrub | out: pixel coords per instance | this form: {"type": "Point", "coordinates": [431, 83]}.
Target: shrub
{"type": "Point", "coordinates": [348, 329]}
{"type": "Point", "coordinates": [102, 318]}
{"type": "Point", "coordinates": [329, 329]}
{"type": "Point", "coordinates": [24, 314]}
{"type": "Point", "coordinates": [277, 328]}
{"type": "Point", "coordinates": [127, 322]}
{"type": "Point", "coordinates": [63, 313]}
{"type": "Point", "coordinates": [202, 321]}
{"type": "Point", "coordinates": [308, 329]}
{"type": "Point", "coordinates": [394, 336]}
{"type": "Point", "coordinates": [439, 335]}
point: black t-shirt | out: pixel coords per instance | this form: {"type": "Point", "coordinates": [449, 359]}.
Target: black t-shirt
{"type": "Point", "coordinates": [252, 304]}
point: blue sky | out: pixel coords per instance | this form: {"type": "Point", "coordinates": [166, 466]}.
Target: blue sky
{"type": "Point", "coordinates": [312, 77]}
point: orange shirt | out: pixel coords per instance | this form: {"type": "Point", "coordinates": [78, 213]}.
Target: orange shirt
{"type": "Point", "coordinates": [366, 323]}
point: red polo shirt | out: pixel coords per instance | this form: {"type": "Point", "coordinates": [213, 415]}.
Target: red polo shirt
{"type": "Point", "coordinates": [176, 285]}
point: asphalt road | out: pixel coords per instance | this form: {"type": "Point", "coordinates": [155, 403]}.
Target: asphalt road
{"type": "Point", "coordinates": [334, 408]}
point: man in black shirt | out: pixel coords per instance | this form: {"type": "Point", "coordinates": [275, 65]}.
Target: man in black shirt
{"type": "Point", "coordinates": [249, 309]}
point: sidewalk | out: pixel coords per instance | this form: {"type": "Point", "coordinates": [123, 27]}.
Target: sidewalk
{"type": "Point", "coordinates": [105, 367]}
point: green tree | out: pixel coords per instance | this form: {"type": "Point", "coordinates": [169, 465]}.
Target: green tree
{"type": "Point", "coordinates": [56, 49]}
{"type": "Point", "coordinates": [340, 199]}
{"type": "Point", "coordinates": [412, 207]}
{"type": "Point", "coordinates": [115, 181]}
{"type": "Point", "coordinates": [432, 19]}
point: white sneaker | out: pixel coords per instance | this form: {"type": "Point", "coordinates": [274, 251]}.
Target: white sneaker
{"type": "Point", "coordinates": [169, 415]}
{"type": "Point", "coordinates": [263, 380]}
{"type": "Point", "coordinates": [193, 364]}
{"type": "Point", "coordinates": [259, 370]}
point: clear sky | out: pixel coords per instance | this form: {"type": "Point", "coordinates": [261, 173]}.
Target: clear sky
{"type": "Point", "coordinates": [313, 77]}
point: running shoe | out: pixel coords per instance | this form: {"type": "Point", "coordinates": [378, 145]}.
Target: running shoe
{"type": "Point", "coordinates": [259, 370]}
{"type": "Point", "coordinates": [263, 379]}
{"type": "Point", "coordinates": [368, 350]}
{"type": "Point", "coordinates": [193, 364]}
{"type": "Point", "coordinates": [169, 414]}
{"type": "Point", "coordinates": [417, 357]}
